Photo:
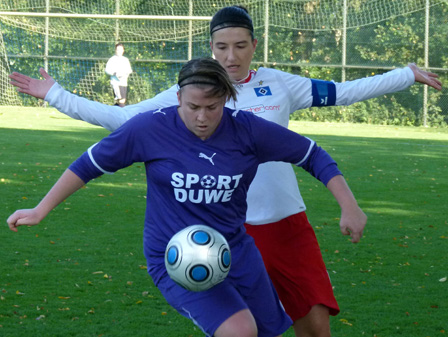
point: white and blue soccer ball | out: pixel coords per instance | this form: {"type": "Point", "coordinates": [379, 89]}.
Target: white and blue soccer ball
{"type": "Point", "coordinates": [197, 258]}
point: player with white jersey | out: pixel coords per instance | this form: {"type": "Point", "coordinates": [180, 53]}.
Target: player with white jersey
{"type": "Point", "coordinates": [268, 93]}
{"type": "Point", "coordinates": [274, 199]}
{"type": "Point", "coordinates": [180, 145]}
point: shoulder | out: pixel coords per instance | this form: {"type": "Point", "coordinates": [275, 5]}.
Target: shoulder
{"type": "Point", "coordinates": [241, 119]}
{"type": "Point", "coordinates": [276, 73]}
{"type": "Point", "coordinates": [152, 118]}
{"type": "Point", "coordinates": [279, 76]}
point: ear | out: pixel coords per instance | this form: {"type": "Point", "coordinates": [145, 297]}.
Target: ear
{"type": "Point", "coordinates": [211, 47]}
{"type": "Point", "coordinates": [254, 43]}
{"type": "Point", "coordinates": [178, 97]}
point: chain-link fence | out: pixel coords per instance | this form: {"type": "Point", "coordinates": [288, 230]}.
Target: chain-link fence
{"type": "Point", "coordinates": [333, 40]}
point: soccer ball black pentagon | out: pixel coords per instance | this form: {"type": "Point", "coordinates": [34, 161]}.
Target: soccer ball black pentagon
{"type": "Point", "coordinates": [197, 258]}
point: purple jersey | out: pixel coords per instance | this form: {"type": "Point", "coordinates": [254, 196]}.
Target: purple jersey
{"type": "Point", "coordinates": [192, 181]}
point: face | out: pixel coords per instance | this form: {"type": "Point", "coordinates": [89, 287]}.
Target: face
{"type": "Point", "coordinates": [119, 51]}
{"type": "Point", "coordinates": [234, 48]}
{"type": "Point", "coordinates": [200, 114]}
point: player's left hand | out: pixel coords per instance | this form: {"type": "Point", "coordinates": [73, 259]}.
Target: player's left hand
{"type": "Point", "coordinates": [352, 223]}
{"type": "Point", "coordinates": [425, 77]}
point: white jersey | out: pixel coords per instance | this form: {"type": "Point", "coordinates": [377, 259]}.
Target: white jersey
{"type": "Point", "coordinates": [118, 68]}
{"type": "Point", "coordinates": [268, 93]}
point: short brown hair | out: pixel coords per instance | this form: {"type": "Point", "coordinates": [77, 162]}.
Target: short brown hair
{"type": "Point", "coordinates": [207, 72]}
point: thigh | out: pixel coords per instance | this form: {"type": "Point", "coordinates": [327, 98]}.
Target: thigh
{"type": "Point", "coordinates": [207, 309]}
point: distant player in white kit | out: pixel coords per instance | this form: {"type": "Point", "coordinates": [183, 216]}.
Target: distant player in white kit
{"type": "Point", "coordinates": [119, 68]}
{"type": "Point", "coordinates": [170, 141]}
{"type": "Point", "coordinates": [275, 206]}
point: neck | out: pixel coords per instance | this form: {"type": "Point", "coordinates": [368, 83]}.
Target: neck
{"type": "Point", "coordinates": [246, 79]}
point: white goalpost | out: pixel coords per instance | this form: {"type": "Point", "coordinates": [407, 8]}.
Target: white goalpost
{"type": "Point", "coordinates": [8, 94]}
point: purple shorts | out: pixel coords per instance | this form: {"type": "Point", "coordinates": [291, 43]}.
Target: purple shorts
{"type": "Point", "coordinates": [246, 287]}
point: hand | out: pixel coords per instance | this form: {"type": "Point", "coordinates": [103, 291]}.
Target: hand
{"type": "Point", "coordinates": [425, 77]}
{"type": "Point", "coordinates": [23, 217]}
{"type": "Point", "coordinates": [33, 86]}
{"type": "Point", "coordinates": [352, 223]}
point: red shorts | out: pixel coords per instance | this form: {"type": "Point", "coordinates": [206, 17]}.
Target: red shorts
{"type": "Point", "coordinates": [295, 265]}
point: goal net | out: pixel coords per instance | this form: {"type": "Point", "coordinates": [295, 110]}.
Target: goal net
{"type": "Point", "coordinates": [75, 49]}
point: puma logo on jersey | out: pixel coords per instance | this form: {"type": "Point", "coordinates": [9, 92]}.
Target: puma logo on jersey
{"type": "Point", "coordinates": [159, 111]}
{"type": "Point", "coordinates": [210, 159]}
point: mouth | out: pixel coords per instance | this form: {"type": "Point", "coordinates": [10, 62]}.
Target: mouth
{"type": "Point", "coordinates": [233, 67]}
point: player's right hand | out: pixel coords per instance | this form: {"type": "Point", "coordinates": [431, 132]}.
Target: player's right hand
{"type": "Point", "coordinates": [23, 217]}
{"type": "Point", "coordinates": [32, 86]}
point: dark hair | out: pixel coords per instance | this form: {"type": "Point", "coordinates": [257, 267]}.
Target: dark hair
{"type": "Point", "coordinates": [207, 73]}
{"type": "Point", "coordinates": [118, 45]}
{"type": "Point", "coordinates": [232, 16]}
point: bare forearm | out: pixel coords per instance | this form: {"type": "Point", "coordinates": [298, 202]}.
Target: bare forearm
{"type": "Point", "coordinates": [67, 184]}
{"type": "Point", "coordinates": [353, 219]}
{"type": "Point", "coordinates": [342, 193]}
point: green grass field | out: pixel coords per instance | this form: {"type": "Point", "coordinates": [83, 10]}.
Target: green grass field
{"type": "Point", "coordinates": [81, 272]}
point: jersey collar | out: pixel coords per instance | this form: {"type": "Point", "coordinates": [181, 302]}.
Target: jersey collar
{"type": "Point", "coordinates": [249, 76]}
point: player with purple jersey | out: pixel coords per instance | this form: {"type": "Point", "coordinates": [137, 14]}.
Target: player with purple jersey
{"type": "Point", "coordinates": [180, 146]}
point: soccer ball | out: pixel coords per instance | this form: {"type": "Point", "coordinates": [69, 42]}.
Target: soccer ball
{"type": "Point", "coordinates": [197, 258]}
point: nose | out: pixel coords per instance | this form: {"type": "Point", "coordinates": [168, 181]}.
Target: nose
{"type": "Point", "coordinates": [231, 54]}
{"type": "Point", "coordinates": [201, 116]}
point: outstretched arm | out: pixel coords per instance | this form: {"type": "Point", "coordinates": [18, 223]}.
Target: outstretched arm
{"type": "Point", "coordinates": [350, 92]}
{"type": "Point", "coordinates": [353, 219]}
{"type": "Point", "coordinates": [67, 184]}
{"type": "Point", "coordinates": [107, 116]}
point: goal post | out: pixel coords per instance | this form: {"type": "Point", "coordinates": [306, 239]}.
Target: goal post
{"type": "Point", "coordinates": [8, 95]}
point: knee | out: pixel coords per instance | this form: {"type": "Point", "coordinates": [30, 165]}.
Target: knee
{"type": "Point", "coordinates": [315, 324]}
{"type": "Point", "coordinates": [239, 324]}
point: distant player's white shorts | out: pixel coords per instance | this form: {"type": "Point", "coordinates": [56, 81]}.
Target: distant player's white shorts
{"type": "Point", "coordinates": [295, 265]}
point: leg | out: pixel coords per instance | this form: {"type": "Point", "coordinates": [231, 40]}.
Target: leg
{"type": "Point", "coordinates": [241, 323]}
{"type": "Point", "coordinates": [294, 263]}
{"type": "Point", "coordinates": [116, 90]}
{"type": "Point", "coordinates": [123, 94]}
{"type": "Point", "coordinates": [315, 324]}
